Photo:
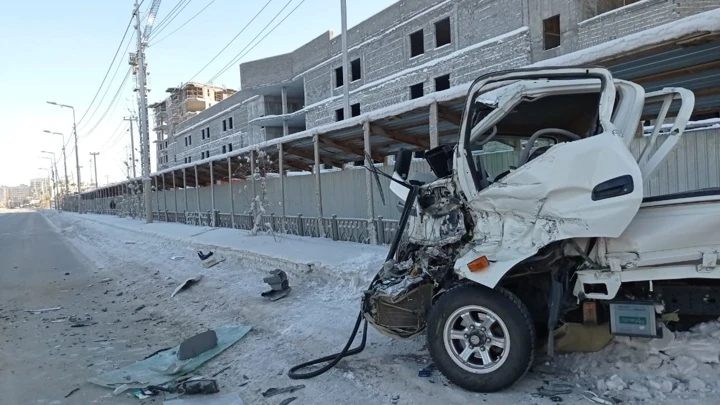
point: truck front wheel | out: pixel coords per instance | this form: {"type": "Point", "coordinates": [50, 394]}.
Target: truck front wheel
{"type": "Point", "coordinates": [481, 339]}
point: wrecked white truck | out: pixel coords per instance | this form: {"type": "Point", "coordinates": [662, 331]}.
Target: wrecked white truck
{"type": "Point", "coordinates": [486, 262]}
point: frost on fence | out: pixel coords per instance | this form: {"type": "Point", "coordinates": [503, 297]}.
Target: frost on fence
{"type": "Point", "coordinates": [260, 202]}
{"type": "Point", "coordinates": [131, 203]}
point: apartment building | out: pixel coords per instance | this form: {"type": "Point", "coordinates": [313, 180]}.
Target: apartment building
{"type": "Point", "coordinates": [183, 103]}
{"type": "Point", "coordinates": [39, 187]}
{"type": "Point", "coordinates": [406, 51]}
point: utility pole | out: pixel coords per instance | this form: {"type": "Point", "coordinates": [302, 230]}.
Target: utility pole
{"type": "Point", "coordinates": [94, 155]}
{"type": "Point", "coordinates": [142, 96]}
{"type": "Point", "coordinates": [132, 143]}
{"type": "Point", "coordinates": [346, 74]}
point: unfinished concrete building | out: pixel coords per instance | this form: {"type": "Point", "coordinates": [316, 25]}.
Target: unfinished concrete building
{"type": "Point", "coordinates": [407, 51]}
{"type": "Point", "coordinates": [183, 103]}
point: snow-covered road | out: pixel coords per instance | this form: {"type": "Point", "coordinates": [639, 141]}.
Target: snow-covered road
{"type": "Point", "coordinates": [316, 318]}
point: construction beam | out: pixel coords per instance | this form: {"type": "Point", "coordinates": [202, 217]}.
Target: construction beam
{"type": "Point", "coordinates": [399, 136]}
{"type": "Point", "coordinates": [447, 115]}
{"type": "Point", "coordinates": [297, 164]}
{"type": "Point", "coordinates": [344, 146]}
{"type": "Point", "coordinates": [678, 72]}
{"type": "Point", "coordinates": [309, 156]}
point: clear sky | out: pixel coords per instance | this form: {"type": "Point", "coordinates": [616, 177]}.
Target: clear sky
{"type": "Point", "coordinates": [60, 50]}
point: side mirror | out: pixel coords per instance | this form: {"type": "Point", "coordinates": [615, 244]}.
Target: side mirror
{"type": "Point", "coordinates": [403, 157]}
{"type": "Point", "coordinates": [440, 160]}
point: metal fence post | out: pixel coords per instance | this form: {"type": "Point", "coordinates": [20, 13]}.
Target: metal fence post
{"type": "Point", "coordinates": [380, 230]}
{"type": "Point", "coordinates": [301, 227]}
{"type": "Point", "coordinates": [212, 191]}
{"type": "Point", "coordinates": [334, 230]}
{"type": "Point", "coordinates": [232, 197]}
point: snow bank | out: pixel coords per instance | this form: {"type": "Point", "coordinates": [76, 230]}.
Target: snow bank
{"type": "Point", "coordinates": [354, 261]}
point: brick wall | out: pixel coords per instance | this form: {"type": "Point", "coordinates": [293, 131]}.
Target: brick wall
{"type": "Point", "coordinates": [625, 21]}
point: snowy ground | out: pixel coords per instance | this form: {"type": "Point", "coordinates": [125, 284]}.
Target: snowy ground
{"type": "Point", "coordinates": [316, 318]}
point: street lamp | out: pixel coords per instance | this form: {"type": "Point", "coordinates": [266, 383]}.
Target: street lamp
{"type": "Point", "coordinates": [67, 183]}
{"type": "Point", "coordinates": [77, 152]}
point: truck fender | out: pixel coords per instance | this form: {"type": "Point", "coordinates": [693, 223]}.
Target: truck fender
{"type": "Point", "coordinates": [489, 276]}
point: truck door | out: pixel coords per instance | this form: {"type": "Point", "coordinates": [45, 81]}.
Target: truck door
{"type": "Point", "coordinates": [586, 185]}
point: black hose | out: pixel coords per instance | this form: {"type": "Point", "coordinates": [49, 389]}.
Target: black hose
{"type": "Point", "coordinates": [346, 351]}
{"type": "Point", "coordinates": [333, 358]}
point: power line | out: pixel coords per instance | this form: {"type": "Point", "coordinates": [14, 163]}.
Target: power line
{"type": "Point", "coordinates": [113, 103]}
{"type": "Point", "coordinates": [171, 15]}
{"type": "Point", "coordinates": [97, 107]}
{"type": "Point", "coordinates": [232, 40]}
{"type": "Point", "coordinates": [241, 54]}
{"type": "Point", "coordinates": [167, 24]}
{"type": "Point", "coordinates": [117, 51]}
{"type": "Point", "coordinates": [112, 138]}
{"type": "Point", "coordinates": [184, 24]}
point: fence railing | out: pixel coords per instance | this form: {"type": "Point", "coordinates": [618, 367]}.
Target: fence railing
{"type": "Point", "coordinates": [340, 229]}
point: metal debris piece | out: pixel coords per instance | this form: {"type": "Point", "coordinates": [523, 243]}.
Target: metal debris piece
{"type": "Point", "coordinates": [79, 322]}
{"type": "Point", "coordinates": [106, 280]}
{"type": "Point", "coordinates": [200, 343]}
{"type": "Point", "coordinates": [186, 284]}
{"type": "Point", "coordinates": [210, 259]}
{"type": "Point", "coordinates": [271, 392]}
{"type": "Point", "coordinates": [39, 311]}
{"type": "Point", "coordinates": [286, 401]}
{"type": "Point", "coordinates": [72, 392]}
{"type": "Point", "coordinates": [280, 287]}
{"type": "Point", "coordinates": [427, 371]}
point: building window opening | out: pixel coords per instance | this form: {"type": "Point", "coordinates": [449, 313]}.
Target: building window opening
{"type": "Point", "coordinates": [207, 132]}
{"type": "Point", "coordinates": [230, 123]}
{"type": "Point", "coordinates": [355, 69]}
{"type": "Point", "coordinates": [224, 125]}
{"type": "Point", "coordinates": [416, 91]}
{"type": "Point", "coordinates": [442, 32]}
{"type": "Point", "coordinates": [224, 149]}
{"type": "Point", "coordinates": [229, 147]}
{"type": "Point", "coordinates": [339, 114]}
{"type": "Point", "coordinates": [338, 76]}
{"type": "Point", "coordinates": [442, 82]}
{"type": "Point", "coordinates": [355, 109]}
{"type": "Point", "coordinates": [551, 32]}
{"type": "Point", "coordinates": [417, 44]}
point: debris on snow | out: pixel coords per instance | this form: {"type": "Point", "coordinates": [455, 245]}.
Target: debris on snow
{"type": "Point", "coordinates": [144, 372]}
{"type": "Point", "coordinates": [74, 390]}
{"type": "Point", "coordinates": [271, 392]}
{"type": "Point", "coordinates": [210, 259]}
{"type": "Point", "coordinates": [106, 280]}
{"type": "Point", "coordinates": [187, 284]}
{"type": "Point", "coordinates": [198, 344]}
{"type": "Point", "coordinates": [39, 311]}
{"type": "Point", "coordinates": [177, 257]}
{"type": "Point", "coordinates": [279, 285]}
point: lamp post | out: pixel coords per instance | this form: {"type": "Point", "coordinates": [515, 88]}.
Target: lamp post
{"type": "Point", "coordinates": [77, 152]}
{"type": "Point", "coordinates": [67, 184]}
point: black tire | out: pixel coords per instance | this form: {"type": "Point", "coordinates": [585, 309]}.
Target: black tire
{"type": "Point", "coordinates": [520, 333]}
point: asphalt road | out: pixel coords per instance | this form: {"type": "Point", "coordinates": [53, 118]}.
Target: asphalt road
{"type": "Point", "coordinates": [43, 358]}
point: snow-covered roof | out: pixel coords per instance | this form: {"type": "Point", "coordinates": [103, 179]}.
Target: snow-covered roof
{"type": "Point", "coordinates": [696, 24]}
